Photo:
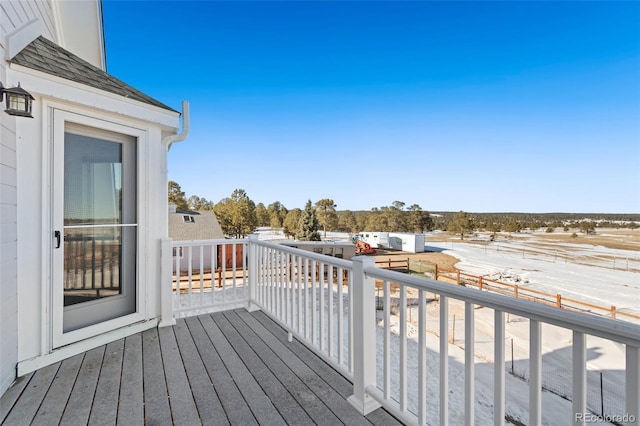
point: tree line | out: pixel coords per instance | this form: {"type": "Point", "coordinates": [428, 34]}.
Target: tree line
{"type": "Point", "coordinates": [239, 216]}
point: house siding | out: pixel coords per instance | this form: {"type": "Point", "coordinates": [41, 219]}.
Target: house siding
{"type": "Point", "coordinates": [8, 239]}
{"type": "Point", "coordinates": [13, 16]}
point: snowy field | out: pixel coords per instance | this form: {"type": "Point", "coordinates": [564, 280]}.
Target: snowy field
{"type": "Point", "coordinates": [593, 274]}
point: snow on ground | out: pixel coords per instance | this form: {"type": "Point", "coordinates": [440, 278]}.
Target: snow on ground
{"type": "Point", "coordinates": [581, 271]}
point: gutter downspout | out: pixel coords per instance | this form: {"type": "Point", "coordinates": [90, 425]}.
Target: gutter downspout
{"type": "Point", "coordinates": [169, 140]}
{"type": "Point", "coordinates": [166, 267]}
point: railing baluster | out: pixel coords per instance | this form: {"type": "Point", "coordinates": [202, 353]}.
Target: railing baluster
{"type": "Point", "coordinates": [201, 263]}
{"type": "Point", "coordinates": [535, 373]}
{"type": "Point", "coordinates": [340, 322]}
{"type": "Point", "coordinates": [306, 298]}
{"type": "Point", "coordinates": [444, 360]}
{"type": "Point", "coordinates": [498, 368]}
{"type": "Point", "coordinates": [190, 276]}
{"type": "Point", "coordinates": [314, 308]}
{"type": "Point", "coordinates": [632, 385]}
{"type": "Point", "coordinates": [469, 363]}
{"type": "Point", "coordinates": [387, 340]}
{"type": "Point", "coordinates": [300, 299]}
{"type": "Point", "coordinates": [234, 268]}
{"type": "Point", "coordinates": [287, 280]}
{"type": "Point", "coordinates": [350, 317]}
{"type": "Point", "coordinates": [331, 313]}
{"type": "Point", "coordinates": [272, 298]}
{"type": "Point", "coordinates": [403, 349]}
{"type": "Point", "coordinates": [422, 358]}
{"type": "Point", "coordinates": [177, 274]}
{"type": "Point", "coordinates": [322, 308]}
{"type": "Point", "coordinates": [213, 259]}
{"type": "Point", "coordinates": [223, 275]}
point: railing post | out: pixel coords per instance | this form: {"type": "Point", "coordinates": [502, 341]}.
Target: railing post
{"type": "Point", "coordinates": [579, 373]}
{"type": "Point", "coordinates": [253, 273]}
{"type": "Point", "coordinates": [364, 336]}
{"type": "Point", "coordinates": [166, 283]}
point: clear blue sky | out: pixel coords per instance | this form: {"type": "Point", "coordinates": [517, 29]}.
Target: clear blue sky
{"type": "Point", "coordinates": [477, 106]}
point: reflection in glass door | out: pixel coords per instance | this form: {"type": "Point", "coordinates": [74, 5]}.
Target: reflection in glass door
{"type": "Point", "coordinates": [99, 228]}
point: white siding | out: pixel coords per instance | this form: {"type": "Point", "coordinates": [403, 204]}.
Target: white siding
{"type": "Point", "coordinates": [19, 13]}
{"type": "Point", "coordinates": [8, 243]}
{"type": "Point", "coordinates": [13, 16]}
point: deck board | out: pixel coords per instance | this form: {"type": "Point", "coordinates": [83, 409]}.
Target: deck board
{"type": "Point", "coordinates": [237, 411]}
{"type": "Point", "coordinates": [105, 401]}
{"type": "Point", "coordinates": [308, 389]}
{"type": "Point", "coordinates": [79, 404]}
{"type": "Point", "coordinates": [204, 393]}
{"type": "Point", "coordinates": [289, 352]}
{"type": "Point", "coordinates": [259, 403]}
{"type": "Point", "coordinates": [183, 407]}
{"type": "Point", "coordinates": [27, 405]}
{"type": "Point", "coordinates": [52, 407]}
{"type": "Point", "coordinates": [131, 407]}
{"type": "Point", "coordinates": [156, 402]}
{"type": "Point", "coordinates": [226, 368]}
{"type": "Point", "coordinates": [289, 408]}
{"type": "Point", "coordinates": [12, 394]}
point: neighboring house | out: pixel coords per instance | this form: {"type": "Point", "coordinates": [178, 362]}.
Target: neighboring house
{"type": "Point", "coordinates": [190, 226]}
{"type": "Point", "coordinates": [81, 185]}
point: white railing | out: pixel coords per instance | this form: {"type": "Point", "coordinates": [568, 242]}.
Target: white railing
{"type": "Point", "coordinates": [385, 346]}
{"type": "Point", "coordinates": [208, 275]}
{"type": "Point", "coordinates": [310, 295]}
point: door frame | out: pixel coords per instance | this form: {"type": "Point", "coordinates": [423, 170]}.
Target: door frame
{"type": "Point", "coordinates": [59, 116]}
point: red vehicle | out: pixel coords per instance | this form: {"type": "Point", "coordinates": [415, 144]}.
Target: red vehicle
{"type": "Point", "coordinates": [364, 248]}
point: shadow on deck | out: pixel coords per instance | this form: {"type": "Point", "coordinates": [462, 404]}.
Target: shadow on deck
{"type": "Point", "coordinates": [231, 367]}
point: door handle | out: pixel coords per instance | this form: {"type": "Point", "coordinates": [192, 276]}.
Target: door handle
{"type": "Point", "coordinates": [56, 235]}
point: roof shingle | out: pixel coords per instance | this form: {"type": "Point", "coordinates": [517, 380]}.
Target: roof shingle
{"type": "Point", "coordinates": [46, 56]}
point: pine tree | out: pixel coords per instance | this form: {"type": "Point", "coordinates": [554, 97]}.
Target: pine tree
{"type": "Point", "coordinates": [461, 224]}
{"type": "Point", "coordinates": [237, 215]}
{"type": "Point", "coordinates": [176, 196]}
{"type": "Point", "coordinates": [327, 216]}
{"type": "Point", "coordinates": [308, 227]}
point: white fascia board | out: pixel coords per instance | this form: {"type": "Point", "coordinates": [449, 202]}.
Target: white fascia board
{"type": "Point", "coordinates": [21, 37]}
{"type": "Point", "coordinates": [39, 83]}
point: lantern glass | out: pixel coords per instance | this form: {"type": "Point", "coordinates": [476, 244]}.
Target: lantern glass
{"type": "Point", "coordinates": [18, 104]}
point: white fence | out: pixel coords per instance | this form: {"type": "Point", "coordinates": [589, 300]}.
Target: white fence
{"type": "Point", "coordinates": [330, 305]}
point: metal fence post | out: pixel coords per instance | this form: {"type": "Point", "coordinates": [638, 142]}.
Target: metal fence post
{"type": "Point", "coordinates": [364, 336]}
{"type": "Point", "coordinates": [166, 283]}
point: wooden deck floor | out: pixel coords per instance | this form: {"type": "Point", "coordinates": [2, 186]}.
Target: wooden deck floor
{"type": "Point", "coordinates": [230, 367]}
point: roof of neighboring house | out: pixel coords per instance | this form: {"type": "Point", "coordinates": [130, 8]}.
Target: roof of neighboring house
{"type": "Point", "coordinates": [187, 225]}
{"type": "Point", "coordinates": [45, 56]}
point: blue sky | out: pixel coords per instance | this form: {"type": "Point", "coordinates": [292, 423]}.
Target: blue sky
{"type": "Point", "coordinates": [475, 106]}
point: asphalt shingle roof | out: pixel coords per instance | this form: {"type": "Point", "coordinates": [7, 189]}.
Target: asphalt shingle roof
{"type": "Point", "coordinates": [200, 226]}
{"type": "Point", "coordinates": [46, 56]}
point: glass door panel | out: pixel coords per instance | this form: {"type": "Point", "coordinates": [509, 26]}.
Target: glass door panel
{"type": "Point", "coordinates": [99, 229]}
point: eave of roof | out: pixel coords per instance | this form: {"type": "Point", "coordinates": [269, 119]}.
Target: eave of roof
{"type": "Point", "coordinates": [46, 56]}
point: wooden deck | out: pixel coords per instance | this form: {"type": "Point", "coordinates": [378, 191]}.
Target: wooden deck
{"type": "Point", "coordinates": [230, 367]}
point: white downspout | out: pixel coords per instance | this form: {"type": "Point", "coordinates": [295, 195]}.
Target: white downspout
{"type": "Point", "coordinates": [166, 267]}
{"type": "Point", "coordinates": [169, 140]}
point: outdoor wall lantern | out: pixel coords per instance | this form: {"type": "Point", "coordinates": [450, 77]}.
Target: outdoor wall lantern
{"type": "Point", "coordinates": [19, 101]}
